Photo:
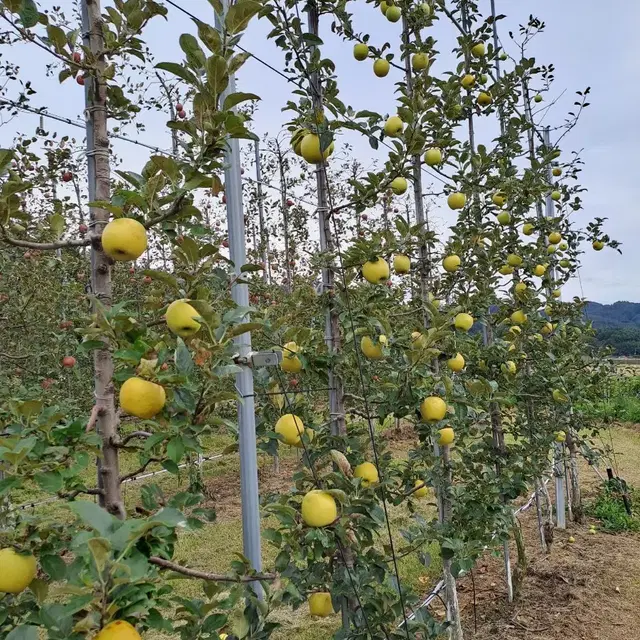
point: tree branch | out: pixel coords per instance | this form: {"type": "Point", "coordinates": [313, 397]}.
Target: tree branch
{"type": "Point", "coordinates": [171, 211]}
{"type": "Point", "coordinates": [8, 356]}
{"type": "Point", "coordinates": [77, 492]}
{"type": "Point", "coordinates": [131, 436]}
{"type": "Point", "coordinates": [133, 474]}
{"type": "Point", "coordinates": [46, 246]}
{"type": "Point", "coordinates": [204, 575]}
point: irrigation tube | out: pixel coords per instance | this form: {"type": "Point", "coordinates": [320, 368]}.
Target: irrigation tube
{"type": "Point", "coordinates": [440, 586]}
{"type": "Point", "coordinates": [33, 505]}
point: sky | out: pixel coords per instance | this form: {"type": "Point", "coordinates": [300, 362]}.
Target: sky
{"type": "Point", "coordinates": [590, 44]}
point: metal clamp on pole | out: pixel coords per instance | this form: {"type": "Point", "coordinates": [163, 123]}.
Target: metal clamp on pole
{"type": "Point", "coordinates": [259, 359]}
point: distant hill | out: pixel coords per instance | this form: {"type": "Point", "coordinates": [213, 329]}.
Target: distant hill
{"type": "Point", "coordinates": [617, 324]}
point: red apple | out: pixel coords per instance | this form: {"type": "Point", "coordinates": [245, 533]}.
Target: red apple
{"type": "Point", "coordinates": [389, 283]}
{"type": "Point", "coordinates": [47, 382]}
{"type": "Point", "coordinates": [164, 366]}
{"type": "Point", "coordinates": [179, 107]}
{"type": "Point", "coordinates": [26, 255]}
{"type": "Point", "coordinates": [225, 244]}
{"type": "Point", "coordinates": [364, 216]}
{"type": "Point", "coordinates": [294, 382]}
{"type": "Point", "coordinates": [182, 115]}
{"type": "Point", "coordinates": [83, 228]}
{"type": "Point", "coordinates": [132, 270]}
{"type": "Point", "coordinates": [80, 79]}
{"type": "Point", "coordinates": [147, 280]}
{"type": "Point", "coordinates": [66, 324]}
{"type": "Point", "coordinates": [77, 57]}
{"type": "Point", "coordinates": [224, 198]}
{"type": "Point", "coordinates": [67, 176]}
{"type": "Point", "coordinates": [289, 202]}
{"type": "Point", "coordinates": [68, 362]}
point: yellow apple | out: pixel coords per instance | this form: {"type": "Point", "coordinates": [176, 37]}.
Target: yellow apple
{"type": "Point", "coordinates": [418, 340]}
{"type": "Point", "coordinates": [419, 61]}
{"type": "Point", "coordinates": [433, 156]}
{"type": "Point", "coordinates": [563, 246]}
{"type": "Point", "coordinates": [368, 472]}
{"type": "Point", "coordinates": [456, 200]}
{"type": "Point", "coordinates": [514, 260]}
{"type": "Point", "coordinates": [393, 13]}
{"type": "Point", "coordinates": [381, 67]}
{"type": "Point", "coordinates": [371, 349]}
{"type": "Point", "coordinates": [506, 270]}
{"type": "Point", "coordinates": [181, 319]}
{"type": "Point", "coordinates": [546, 329]}
{"type": "Point", "coordinates": [504, 217]}
{"type": "Point", "coordinates": [598, 245]}
{"type": "Point", "coordinates": [468, 80]}
{"type": "Point", "coordinates": [426, 8]}
{"type": "Point", "coordinates": [484, 98]}
{"type": "Point", "coordinates": [556, 171]}
{"type": "Point", "coordinates": [446, 436]}
{"type": "Point", "coordinates": [528, 228]}
{"type": "Point", "coordinates": [376, 271]}
{"type": "Point", "coordinates": [560, 436]}
{"type": "Point", "coordinates": [422, 491]}
{"type": "Point", "coordinates": [520, 288]}
{"type": "Point", "coordinates": [456, 363]}
{"type": "Point", "coordinates": [559, 396]}
{"type": "Point", "coordinates": [401, 263]}
{"type": "Point", "coordinates": [451, 263]}
{"type": "Point", "coordinates": [554, 237]}
{"type": "Point", "coordinates": [18, 571]}
{"type": "Point", "coordinates": [556, 195]}
{"type": "Point", "coordinates": [296, 139]}
{"type": "Point", "coordinates": [556, 293]}
{"type": "Point", "coordinates": [310, 149]}
{"type": "Point", "coordinates": [118, 630]}
{"type": "Point", "coordinates": [463, 321]}
{"type": "Point", "coordinates": [141, 398]}
{"type": "Point", "coordinates": [360, 51]}
{"type": "Point", "coordinates": [383, 7]}
{"type": "Point", "coordinates": [498, 198]}
{"type": "Point", "coordinates": [518, 317]}
{"type": "Point", "coordinates": [539, 270]}
{"type": "Point", "coordinates": [291, 363]}
{"type": "Point", "coordinates": [124, 239]}
{"type": "Point", "coordinates": [510, 367]}
{"type": "Point", "coordinates": [399, 185]}
{"type": "Point", "coordinates": [393, 126]}
{"type": "Point", "coordinates": [551, 249]}
{"type": "Point", "coordinates": [537, 98]}
{"type": "Point", "coordinates": [290, 427]}
{"type": "Point", "coordinates": [478, 50]}
{"type": "Point", "coordinates": [319, 508]}
{"type": "Point", "coordinates": [565, 264]}
{"type": "Point", "coordinates": [433, 409]}
{"type": "Point", "coordinates": [320, 605]}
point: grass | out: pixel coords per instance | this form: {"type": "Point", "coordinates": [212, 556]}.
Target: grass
{"type": "Point", "coordinates": [608, 507]}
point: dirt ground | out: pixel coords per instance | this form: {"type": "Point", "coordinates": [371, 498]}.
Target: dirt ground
{"type": "Point", "coordinates": [586, 590]}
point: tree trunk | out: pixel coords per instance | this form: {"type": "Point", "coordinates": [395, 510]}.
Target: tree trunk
{"type": "Point", "coordinates": [574, 479]}
{"type": "Point", "coordinates": [99, 189]}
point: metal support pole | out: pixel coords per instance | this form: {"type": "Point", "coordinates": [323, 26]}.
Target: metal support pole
{"type": "Point", "coordinates": [264, 236]}
{"type": "Point", "coordinates": [558, 470]}
{"type": "Point", "coordinates": [244, 379]}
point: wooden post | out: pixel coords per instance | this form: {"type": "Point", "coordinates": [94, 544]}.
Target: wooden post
{"type": "Point", "coordinates": [99, 189]}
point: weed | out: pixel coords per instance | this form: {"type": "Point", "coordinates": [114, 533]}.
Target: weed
{"type": "Point", "coordinates": [609, 508]}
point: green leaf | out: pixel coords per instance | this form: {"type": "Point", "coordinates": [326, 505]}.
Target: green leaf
{"type": "Point", "coordinates": [57, 224]}
{"type": "Point", "coordinates": [8, 484]}
{"type": "Point", "coordinates": [243, 328]}
{"type": "Point", "coordinates": [177, 70]}
{"type": "Point", "coordinates": [169, 517]}
{"type": "Point", "coordinates": [175, 449]}
{"type": "Point", "coordinates": [183, 360]}
{"type": "Point", "coordinates": [100, 550]}
{"type": "Point", "coordinates": [30, 408]}
{"type": "Point", "coordinates": [51, 481]}
{"type": "Point", "coordinates": [239, 14]}
{"type": "Point", "coordinates": [54, 566]}
{"type": "Point", "coordinates": [12, 5]}
{"type": "Point", "coordinates": [40, 589]}
{"type": "Point", "coordinates": [190, 249]}
{"type": "Point", "coordinates": [90, 345]}
{"type": "Point", "coordinates": [23, 632]}
{"type": "Point", "coordinates": [217, 6]}
{"type": "Point", "coordinates": [237, 61]}
{"type": "Point", "coordinates": [248, 268]}
{"type": "Point", "coordinates": [116, 211]}
{"type": "Point", "coordinates": [168, 166]}
{"type": "Point", "coordinates": [217, 75]}
{"type": "Point", "coordinates": [57, 37]}
{"type": "Point", "coordinates": [94, 516]}
{"type": "Point", "coordinates": [171, 467]}
{"type": "Point", "coordinates": [195, 55]}
{"type": "Point", "coordinates": [29, 13]}
{"type": "Point", "coordinates": [210, 36]}
{"type": "Point", "coordinates": [239, 624]}
{"type": "Point", "coordinates": [131, 177]}
{"type": "Point", "coordinates": [233, 99]}
{"type": "Point", "coordinates": [163, 276]}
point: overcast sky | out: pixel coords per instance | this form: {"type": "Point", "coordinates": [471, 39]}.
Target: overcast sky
{"type": "Point", "coordinates": [591, 44]}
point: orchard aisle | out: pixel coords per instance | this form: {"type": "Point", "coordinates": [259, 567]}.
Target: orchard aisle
{"type": "Point", "coordinates": [586, 590]}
